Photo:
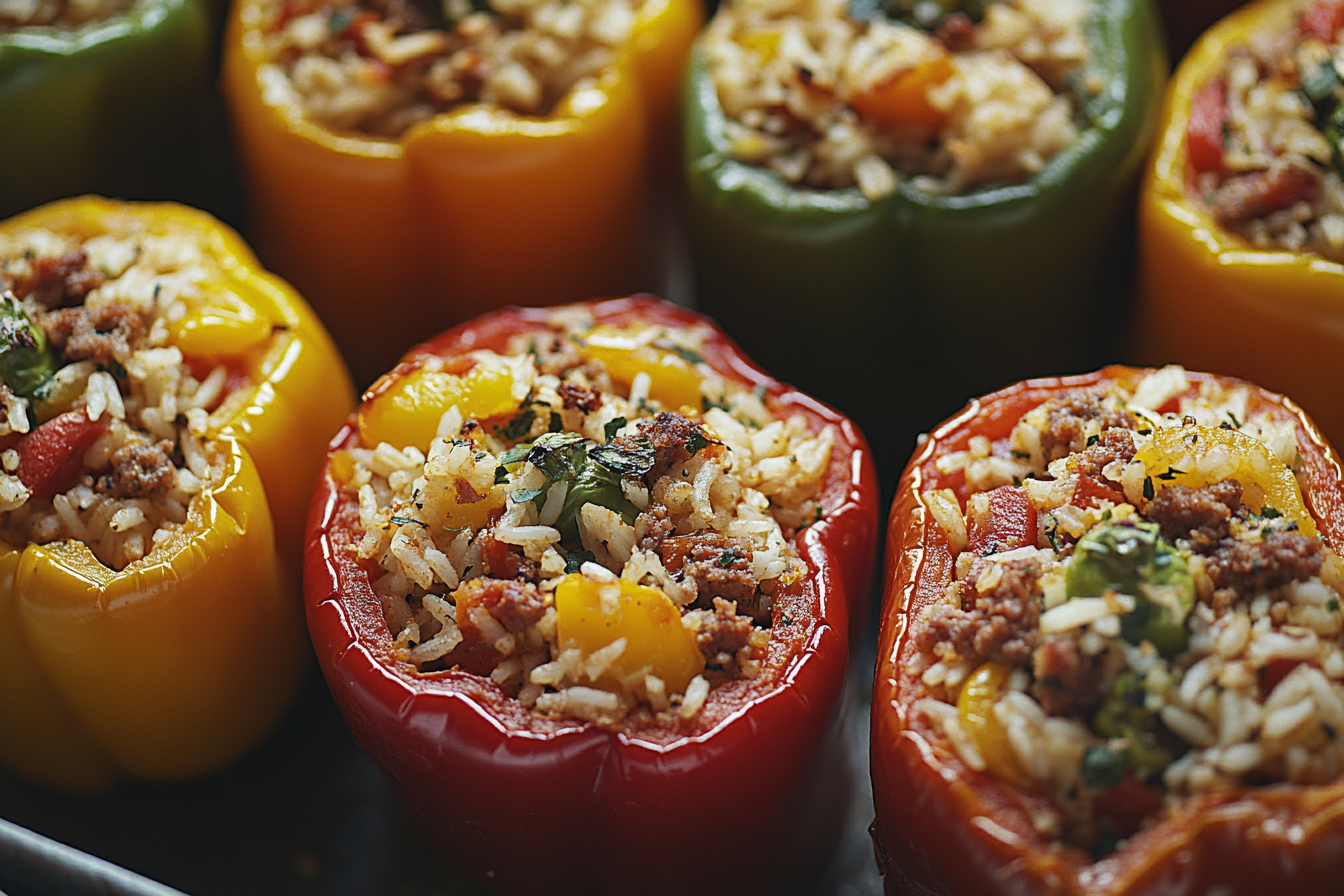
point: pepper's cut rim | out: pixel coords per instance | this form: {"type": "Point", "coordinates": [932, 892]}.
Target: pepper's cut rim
{"type": "Point", "coordinates": [1113, 110]}
{"type": "Point", "coordinates": [1167, 178]}
{"type": "Point", "coordinates": [56, 41]}
{"type": "Point", "coordinates": [837, 615]}
{"type": "Point", "coordinates": [467, 121]}
{"type": "Point", "coordinates": [1292, 818]}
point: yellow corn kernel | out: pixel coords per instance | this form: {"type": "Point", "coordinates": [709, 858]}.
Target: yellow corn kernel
{"type": "Point", "coordinates": [408, 413]}
{"type": "Point", "coordinates": [1195, 456]}
{"type": "Point", "coordinates": [591, 615]}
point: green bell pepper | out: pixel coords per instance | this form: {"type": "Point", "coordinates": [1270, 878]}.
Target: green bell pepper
{"type": "Point", "coordinates": [110, 106]}
{"type": "Point", "coordinates": [849, 297]}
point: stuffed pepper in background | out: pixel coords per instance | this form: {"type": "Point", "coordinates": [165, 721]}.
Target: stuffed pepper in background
{"type": "Point", "coordinates": [587, 578]}
{"type": "Point", "coordinates": [1111, 657]}
{"type": "Point", "coordinates": [877, 191]}
{"type": "Point", "coordinates": [433, 161]}
{"type": "Point", "coordinates": [101, 96]}
{"type": "Point", "coordinates": [165, 411]}
{"type": "Point", "coordinates": [1242, 211]}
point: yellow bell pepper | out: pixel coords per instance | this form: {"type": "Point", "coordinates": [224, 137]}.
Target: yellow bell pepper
{"type": "Point", "coordinates": [975, 711]}
{"type": "Point", "coordinates": [1196, 456]}
{"type": "Point", "coordinates": [673, 379]}
{"type": "Point", "coordinates": [1208, 299]}
{"type": "Point", "coordinates": [590, 616]}
{"type": "Point", "coordinates": [474, 209]}
{"type": "Point", "coordinates": [404, 410]}
{"type": "Point", "coordinates": [183, 660]}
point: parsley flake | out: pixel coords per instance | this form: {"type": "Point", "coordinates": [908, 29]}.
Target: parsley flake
{"type": "Point", "coordinates": [576, 559]}
{"type": "Point", "coordinates": [680, 351]}
{"type": "Point", "coordinates": [729, 557]}
{"type": "Point", "coordinates": [409, 521]}
{"type": "Point", "coordinates": [523, 495]}
{"type": "Point", "coordinates": [696, 443]}
{"type": "Point", "coordinates": [1092, 440]}
{"type": "Point", "coordinates": [1148, 488]}
{"type": "Point", "coordinates": [517, 427]}
{"type": "Point", "coordinates": [1171, 474]}
{"type": "Point", "coordinates": [614, 425]}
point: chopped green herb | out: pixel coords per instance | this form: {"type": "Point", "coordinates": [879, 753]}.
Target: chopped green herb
{"type": "Point", "coordinates": [1233, 418]}
{"type": "Point", "coordinates": [340, 20]}
{"type": "Point", "coordinates": [558, 455]}
{"type": "Point", "coordinates": [1092, 440]}
{"type": "Point", "coordinates": [1171, 474]}
{"type": "Point", "coordinates": [1025, 455]}
{"type": "Point", "coordinates": [1145, 432]}
{"type": "Point", "coordinates": [575, 559]}
{"type": "Point", "coordinates": [1332, 605]}
{"type": "Point", "coordinates": [1052, 533]}
{"type": "Point", "coordinates": [514, 455]}
{"type": "Point", "coordinates": [1148, 488]}
{"type": "Point", "coordinates": [706, 403]}
{"type": "Point", "coordinates": [1270, 513]}
{"type": "Point", "coordinates": [614, 425]}
{"type": "Point", "coordinates": [523, 495]}
{"type": "Point", "coordinates": [532, 348]}
{"type": "Point", "coordinates": [518, 427]}
{"type": "Point", "coordinates": [501, 475]}
{"type": "Point", "coordinates": [759, 391]}
{"type": "Point", "coordinates": [680, 351]}
{"type": "Point", "coordinates": [633, 459]}
{"type": "Point", "coordinates": [729, 557]}
{"type": "Point", "coordinates": [409, 521]}
{"type": "Point", "coordinates": [697, 443]}
{"type": "Point", "coordinates": [555, 425]}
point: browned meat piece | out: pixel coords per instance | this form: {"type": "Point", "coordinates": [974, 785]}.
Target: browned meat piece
{"type": "Point", "coordinates": [1066, 417]}
{"type": "Point", "coordinates": [720, 566]}
{"type": "Point", "coordinates": [721, 633]}
{"type": "Point", "coordinates": [576, 396]}
{"type": "Point", "coordinates": [104, 333]}
{"type": "Point", "coordinates": [59, 282]}
{"type": "Point", "coordinates": [1203, 515]}
{"type": "Point", "coordinates": [652, 526]}
{"type": "Point", "coordinates": [506, 561]}
{"type": "Point", "coordinates": [140, 471]}
{"type": "Point", "coordinates": [957, 33]}
{"type": "Point", "coordinates": [668, 434]}
{"type": "Point", "coordinates": [516, 605]}
{"type": "Point", "coordinates": [1114, 444]}
{"type": "Point", "coordinates": [1001, 624]}
{"type": "Point", "coordinates": [1253, 566]}
{"type": "Point", "coordinates": [1068, 682]}
{"type": "Point", "coordinates": [1259, 193]}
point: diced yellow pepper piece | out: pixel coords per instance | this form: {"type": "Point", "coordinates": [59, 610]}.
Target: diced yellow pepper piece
{"type": "Point", "coordinates": [975, 709]}
{"type": "Point", "coordinates": [765, 43]}
{"type": "Point", "coordinates": [591, 615]}
{"type": "Point", "coordinates": [1195, 456]}
{"type": "Point", "coordinates": [219, 324]}
{"type": "Point", "coordinates": [408, 413]}
{"type": "Point", "coordinates": [673, 381]}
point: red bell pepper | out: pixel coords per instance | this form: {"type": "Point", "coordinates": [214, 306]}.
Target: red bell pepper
{"type": "Point", "coordinates": [943, 828]}
{"type": "Point", "coordinates": [546, 805]}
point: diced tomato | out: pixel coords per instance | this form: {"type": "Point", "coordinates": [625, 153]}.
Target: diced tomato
{"type": "Point", "coordinates": [1128, 803]}
{"type": "Point", "coordinates": [1090, 492]}
{"type": "Point", "coordinates": [1274, 672]}
{"type": "Point", "coordinates": [1011, 523]}
{"type": "Point", "coordinates": [51, 457]}
{"type": "Point", "coordinates": [1322, 19]}
{"type": "Point", "coordinates": [1204, 132]}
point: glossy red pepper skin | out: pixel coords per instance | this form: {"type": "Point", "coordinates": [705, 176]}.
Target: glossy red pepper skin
{"type": "Point", "coordinates": [557, 806]}
{"type": "Point", "coordinates": [942, 828]}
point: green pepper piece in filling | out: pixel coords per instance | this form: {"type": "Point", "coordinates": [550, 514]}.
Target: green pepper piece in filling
{"type": "Point", "coordinates": [1133, 559]}
{"type": "Point", "coordinates": [1122, 714]}
{"type": "Point", "coordinates": [27, 359]}
{"type": "Point", "coordinates": [843, 295]}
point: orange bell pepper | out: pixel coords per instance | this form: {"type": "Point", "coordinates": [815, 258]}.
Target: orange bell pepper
{"type": "Point", "coordinates": [181, 661]}
{"type": "Point", "coordinates": [1210, 300]}
{"type": "Point", "coordinates": [476, 208]}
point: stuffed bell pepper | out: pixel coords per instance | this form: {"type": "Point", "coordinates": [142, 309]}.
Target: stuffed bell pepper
{"type": "Point", "coordinates": [1112, 649]}
{"type": "Point", "coordinates": [162, 417]}
{"type": "Point", "coordinates": [100, 96]}
{"type": "Point", "coordinates": [864, 176]}
{"type": "Point", "coordinates": [586, 578]}
{"type": "Point", "coordinates": [457, 156]}
{"type": "Point", "coordinates": [1242, 211]}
